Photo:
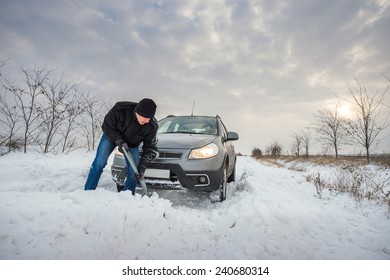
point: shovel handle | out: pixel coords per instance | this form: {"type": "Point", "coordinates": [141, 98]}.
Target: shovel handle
{"type": "Point", "coordinates": [134, 167]}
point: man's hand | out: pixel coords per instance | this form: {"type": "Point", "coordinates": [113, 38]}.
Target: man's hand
{"type": "Point", "coordinates": [139, 176]}
{"type": "Point", "coordinates": [122, 147]}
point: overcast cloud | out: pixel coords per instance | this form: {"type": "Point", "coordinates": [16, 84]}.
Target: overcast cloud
{"type": "Point", "coordinates": [264, 66]}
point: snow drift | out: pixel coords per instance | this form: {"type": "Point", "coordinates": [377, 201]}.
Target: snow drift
{"type": "Point", "coordinates": [270, 213]}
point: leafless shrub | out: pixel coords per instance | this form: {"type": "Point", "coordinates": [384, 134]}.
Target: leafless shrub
{"type": "Point", "coordinates": [257, 153]}
{"type": "Point", "coordinates": [275, 149]}
{"type": "Point", "coordinates": [359, 182]}
{"type": "Point", "coordinates": [320, 185]}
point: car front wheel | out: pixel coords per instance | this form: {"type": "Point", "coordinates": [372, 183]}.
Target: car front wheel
{"type": "Point", "coordinates": [223, 186]}
{"type": "Point", "coordinates": [232, 176]}
{"type": "Point", "coordinates": [119, 187]}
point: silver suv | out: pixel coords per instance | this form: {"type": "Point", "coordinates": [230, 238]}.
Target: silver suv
{"type": "Point", "coordinates": [195, 152]}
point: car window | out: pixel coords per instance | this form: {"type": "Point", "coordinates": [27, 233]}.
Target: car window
{"type": "Point", "coordinates": [188, 124]}
{"type": "Point", "coordinates": [224, 130]}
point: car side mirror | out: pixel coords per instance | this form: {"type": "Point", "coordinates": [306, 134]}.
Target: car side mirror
{"type": "Point", "coordinates": [232, 136]}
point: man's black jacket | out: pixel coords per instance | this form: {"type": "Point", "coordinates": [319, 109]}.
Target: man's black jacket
{"type": "Point", "coordinates": [120, 125]}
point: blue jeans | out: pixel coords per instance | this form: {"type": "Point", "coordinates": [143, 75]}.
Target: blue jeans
{"type": "Point", "coordinates": [104, 150]}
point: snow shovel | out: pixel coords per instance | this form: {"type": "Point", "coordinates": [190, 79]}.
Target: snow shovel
{"type": "Point", "coordinates": [134, 167]}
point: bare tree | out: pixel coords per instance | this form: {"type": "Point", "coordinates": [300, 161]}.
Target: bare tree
{"type": "Point", "coordinates": [51, 112]}
{"type": "Point", "coordinates": [2, 63]}
{"type": "Point", "coordinates": [297, 144]}
{"type": "Point", "coordinates": [371, 116]}
{"type": "Point", "coordinates": [385, 77]}
{"type": "Point", "coordinates": [52, 109]}
{"type": "Point", "coordinates": [9, 118]}
{"type": "Point", "coordinates": [73, 109]}
{"type": "Point", "coordinates": [307, 135]}
{"type": "Point", "coordinates": [26, 98]}
{"type": "Point", "coordinates": [92, 118]}
{"type": "Point", "coordinates": [331, 128]}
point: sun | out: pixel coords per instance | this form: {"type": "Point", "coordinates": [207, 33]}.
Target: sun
{"type": "Point", "coordinates": [344, 110]}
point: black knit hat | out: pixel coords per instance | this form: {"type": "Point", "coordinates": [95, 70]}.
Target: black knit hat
{"type": "Point", "coordinates": [146, 108]}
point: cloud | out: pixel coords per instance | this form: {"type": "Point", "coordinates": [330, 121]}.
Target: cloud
{"type": "Point", "coordinates": [256, 63]}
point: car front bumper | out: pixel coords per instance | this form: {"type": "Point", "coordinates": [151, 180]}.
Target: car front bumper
{"type": "Point", "coordinates": [177, 178]}
{"type": "Point", "coordinates": [200, 180]}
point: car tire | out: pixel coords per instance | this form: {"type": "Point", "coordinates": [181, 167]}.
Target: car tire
{"type": "Point", "coordinates": [119, 187]}
{"type": "Point", "coordinates": [223, 187]}
{"type": "Point", "coordinates": [232, 176]}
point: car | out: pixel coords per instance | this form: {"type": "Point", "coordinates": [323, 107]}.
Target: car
{"type": "Point", "coordinates": [194, 153]}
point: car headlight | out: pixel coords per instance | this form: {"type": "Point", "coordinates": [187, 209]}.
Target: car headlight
{"type": "Point", "coordinates": [207, 151]}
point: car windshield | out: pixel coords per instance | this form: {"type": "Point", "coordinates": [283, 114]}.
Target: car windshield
{"type": "Point", "coordinates": [188, 124]}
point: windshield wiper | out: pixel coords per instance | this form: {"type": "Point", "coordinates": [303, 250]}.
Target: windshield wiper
{"type": "Point", "coordinates": [182, 131]}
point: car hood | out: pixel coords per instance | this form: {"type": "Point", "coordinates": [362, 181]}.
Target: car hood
{"type": "Point", "coordinates": [183, 141]}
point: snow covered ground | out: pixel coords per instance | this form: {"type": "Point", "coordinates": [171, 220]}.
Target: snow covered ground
{"type": "Point", "coordinates": [271, 214]}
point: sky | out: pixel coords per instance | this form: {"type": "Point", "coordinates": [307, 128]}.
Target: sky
{"type": "Point", "coordinates": [265, 67]}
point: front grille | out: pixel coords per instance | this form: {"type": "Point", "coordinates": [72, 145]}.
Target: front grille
{"type": "Point", "coordinates": [170, 155]}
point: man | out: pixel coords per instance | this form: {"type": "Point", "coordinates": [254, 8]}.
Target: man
{"type": "Point", "coordinates": [126, 125]}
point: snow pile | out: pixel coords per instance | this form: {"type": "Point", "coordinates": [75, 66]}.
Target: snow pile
{"type": "Point", "coordinates": [270, 213]}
